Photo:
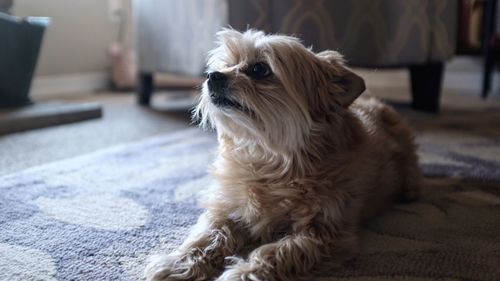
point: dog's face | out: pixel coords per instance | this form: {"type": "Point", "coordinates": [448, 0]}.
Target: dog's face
{"type": "Point", "coordinates": [271, 89]}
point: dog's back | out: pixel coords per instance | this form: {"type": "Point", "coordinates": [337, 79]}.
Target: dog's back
{"type": "Point", "coordinates": [393, 151]}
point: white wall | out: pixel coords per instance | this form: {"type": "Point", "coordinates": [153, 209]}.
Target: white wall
{"type": "Point", "coordinates": [77, 40]}
{"type": "Point", "coordinates": [74, 52]}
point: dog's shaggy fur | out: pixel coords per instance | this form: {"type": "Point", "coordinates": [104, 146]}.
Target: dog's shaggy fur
{"type": "Point", "coordinates": [301, 162]}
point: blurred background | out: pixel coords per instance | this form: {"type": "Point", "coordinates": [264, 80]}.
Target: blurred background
{"type": "Point", "coordinates": [80, 75]}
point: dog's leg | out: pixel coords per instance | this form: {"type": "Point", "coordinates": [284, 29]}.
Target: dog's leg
{"type": "Point", "coordinates": [413, 180]}
{"type": "Point", "coordinates": [293, 257]}
{"type": "Point", "coordinates": [201, 256]}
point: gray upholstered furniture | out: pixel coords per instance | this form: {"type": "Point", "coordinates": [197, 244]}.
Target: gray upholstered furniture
{"type": "Point", "coordinates": [174, 36]}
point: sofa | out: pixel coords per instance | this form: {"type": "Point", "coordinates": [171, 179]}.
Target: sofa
{"type": "Point", "coordinates": [174, 36]}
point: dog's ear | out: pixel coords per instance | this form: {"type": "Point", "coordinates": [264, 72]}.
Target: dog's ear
{"type": "Point", "coordinates": [350, 84]}
{"type": "Point", "coordinates": [354, 86]}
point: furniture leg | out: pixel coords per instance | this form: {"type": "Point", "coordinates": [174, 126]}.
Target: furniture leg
{"type": "Point", "coordinates": [145, 88]}
{"type": "Point", "coordinates": [426, 83]}
{"type": "Point", "coordinates": [489, 60]}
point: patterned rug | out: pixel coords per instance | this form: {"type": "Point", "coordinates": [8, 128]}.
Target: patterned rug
{"type": "Point", "coordinates": [98, 217]}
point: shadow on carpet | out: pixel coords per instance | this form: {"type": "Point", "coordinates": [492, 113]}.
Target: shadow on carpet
{"type": "Point", "coordinates": [99, 216]}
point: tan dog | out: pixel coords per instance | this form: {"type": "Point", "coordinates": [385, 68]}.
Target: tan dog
{"type": "Point", "coordinates": [301, 162]}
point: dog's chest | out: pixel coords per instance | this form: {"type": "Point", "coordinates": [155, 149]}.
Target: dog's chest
{"type": "Point", "coordinates": [262, 195]}
{"type": "Point", "coordinates": [272, 209]}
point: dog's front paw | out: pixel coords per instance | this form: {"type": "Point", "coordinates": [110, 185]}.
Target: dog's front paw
{"type": "Point", "coordinates": [245, 271]}
{"type": "Point", "coordinates": [173, 268]}
{"type": "Point", "coordinates": [161, 268]}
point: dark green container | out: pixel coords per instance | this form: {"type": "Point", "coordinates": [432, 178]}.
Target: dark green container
{"type": "Point", "coordinates": [20, 41]}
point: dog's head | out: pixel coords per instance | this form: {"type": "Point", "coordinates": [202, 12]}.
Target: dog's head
{"type": "Point", "coordinates": [272, 90]}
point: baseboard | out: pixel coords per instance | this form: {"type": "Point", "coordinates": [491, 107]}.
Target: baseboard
{"type": "Point", "coordinates": [46, 86]}
{"type": "Point", "coordinates": [466, 81]}
{"type": "Point", "coordinates": [469, 81]}
{"type": "Point", "coordinates": [374, 78]}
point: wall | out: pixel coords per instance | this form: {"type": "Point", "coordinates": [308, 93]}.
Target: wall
{"type": "Point", "coordinates": [74, 52]}
{"type": "Point", "coordinates": [77, 40]}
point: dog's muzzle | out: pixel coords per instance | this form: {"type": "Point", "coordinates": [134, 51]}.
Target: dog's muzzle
{"type": "Point", "coordinates": [218, 89]}
{"type": "Point", "coordinates": [217, 82]}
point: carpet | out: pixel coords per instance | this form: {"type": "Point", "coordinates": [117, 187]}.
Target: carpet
{"type": "Point", "coordinates": [99, 216]}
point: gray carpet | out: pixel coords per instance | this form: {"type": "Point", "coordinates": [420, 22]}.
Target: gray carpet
{"type": "Point", "coordinates": [122, 121]}
{"type": "Point", "coordinates": [98, 216]}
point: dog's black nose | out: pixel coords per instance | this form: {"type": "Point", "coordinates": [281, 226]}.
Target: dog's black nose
{"type": "Point", "coordinates": [216, 81]}
{"type": "Point", "coordinates": [217, 76]}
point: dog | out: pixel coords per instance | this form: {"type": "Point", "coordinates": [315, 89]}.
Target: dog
{"type": "Point", "coordinates": [302, 161]}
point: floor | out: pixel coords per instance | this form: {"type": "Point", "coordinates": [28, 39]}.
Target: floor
{"type": "Point", "coordinates": [123, 121]}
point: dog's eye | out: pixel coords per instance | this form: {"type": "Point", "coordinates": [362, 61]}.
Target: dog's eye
{"type": "Point", "coordinates": [259, 70]}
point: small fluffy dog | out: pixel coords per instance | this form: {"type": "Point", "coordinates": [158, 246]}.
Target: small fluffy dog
{"type": "Point", "coordinates": [302, 161]}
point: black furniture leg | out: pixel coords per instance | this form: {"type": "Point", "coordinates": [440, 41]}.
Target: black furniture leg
{"type": "Point", "coordinates": [145, 88]}
{"type": "Point", "coordinates": [489, 60]}
{"type": "Point", "coordinates": [487, 74]}
{"type": "Point", "coordinates": [426, 86]}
